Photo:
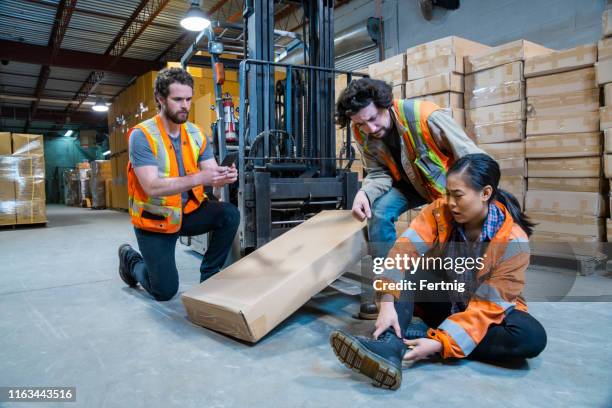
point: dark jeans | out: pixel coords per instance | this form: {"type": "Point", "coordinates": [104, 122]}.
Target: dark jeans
{"type": "Point", "coordinates": [519, 335]}
{"type": "Point", "coordinates": [156, 270]}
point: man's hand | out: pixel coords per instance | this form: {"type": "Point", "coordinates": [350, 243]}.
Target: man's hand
{"type": "Point", "coordinates": [387, 317]}
{"type": "Point", "coordinates": [421, 348]}
{"type": "Point", "coordinates": [232, 174]}
{"type": "Point", "coordinates": [361, 206]}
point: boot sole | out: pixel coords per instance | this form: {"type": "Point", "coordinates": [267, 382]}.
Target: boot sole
{"type": "Point", "coordinates": [359, 359]}
{"type": "Point", "coordinates": [131, 283]}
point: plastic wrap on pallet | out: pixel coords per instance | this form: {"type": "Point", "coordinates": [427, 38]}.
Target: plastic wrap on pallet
{"type": "Point", "coordinates": [71, 191]}
{"type": "Point", "coordinates": [100, 172]}
{"type": "Point", "coordinates": [84, 189]}
{"type": "Point", "coordinates": [22, 189]}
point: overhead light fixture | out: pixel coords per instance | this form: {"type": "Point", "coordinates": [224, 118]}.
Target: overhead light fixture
{"type": "Point", "coordinates": [195, 19]}
{"type": "Point", "coordinates": [106, 153]}
{"type": "Point", "coordinates": [100, 106]}
{"type": "Point", "coordinates": [68, 133]}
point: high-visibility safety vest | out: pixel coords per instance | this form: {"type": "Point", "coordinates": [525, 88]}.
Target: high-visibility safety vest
{"type": "Point", "coordinates": [165, 214]}
{"type": "Point", "coordinates": [410, 117]}
{"type": "Point", "coordinates": [502, 277]}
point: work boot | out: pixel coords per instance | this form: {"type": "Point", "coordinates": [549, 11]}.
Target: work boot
{"type": "Point", "coordinates": [380, 360]}
{"type": "Point", "coordinates": [124, 269]}
{"type": "Point", "coordinates": [417, 329]}
{"type": "Point", "coordinates": [368, 311]}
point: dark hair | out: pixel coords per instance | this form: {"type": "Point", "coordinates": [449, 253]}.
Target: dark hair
{"type": "Point", "coordinates": [167, 77]}
{"type": "Point", "coordinates": [483, 171]}
{"type": "Point", "coordinates": [359, 94]}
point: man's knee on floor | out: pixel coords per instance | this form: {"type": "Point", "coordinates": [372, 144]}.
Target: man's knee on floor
{"type": "Point", "coordinates": [535, 342]}
{"type": "Point", "coordinates": [165, 294]}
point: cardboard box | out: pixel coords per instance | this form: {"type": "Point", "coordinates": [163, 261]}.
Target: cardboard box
{"type": "Point", "coordinates": [8, 168]}
{"type": "Point", "coordinates": [560, 61]}
{"type": "Point", "coordinates": [495, 86]}
{"type": "Point", "coordinates": [603, 71]}
{"type": "Point", "coordinates": [568, 224]}
{"type": "Point", "coordinates": [512, 167]}
{"type": "Point", "coordinates": [567, 145]}
{"type": "Point", "coordinates": [25, 144]}
{"type": "Point", "coordinates": [447, 46]}
{"type": "Point", "coordinates": [31, 212]}
{"type": "Point", "coordinates": [579, 101]}
{"type": "Point", "coordinates": [457, 114]}
{"type": "Point", "coordinates": [607, 165]}
{"type": "Point", "coordinates": [5, 143]}
{"type": "Point", "coordinates": [608, 140]}
{"type": "Point", "coordinates": [392, 70]}
{"type": "Point", "coordinates": [445, 99]}
{"type": "Point", "coordinates": [564, 167]}
{"type": "Point", "coordinates": [606, 20]}
{"type": "Point", "coordinates": [604, 49]}
{"type": "Point", "coordinates": [578, 122]}
{"type": "Point", "coordinates": [556, 237]}
{"type": "Point", "coordinates": [609, 230]}
{"type": "Point", "coordinates": [508, 150]}
{"type": "Point", "coordinates": [566, 202]}
{"type": "Point", "coordinates": [253, 295]}
{"type": "Point", "coordinates": [608, 94]}
{"type": "Point", "coordinates": [565, 82]}
{"type": "Point", "coordinates": [589, 185]}
{"type": "Point", "coordinates": [605, 117]}
{"type": "Point", "coordinates": [511, 131]}
{"type": "Point", "coordinates": [504, 54]}
{"type": "Point", "coordinates": [495, 113]}
{"type": "Point", "coordinates": [513, 184]}
{"type": "Point", "coordinates": [435, 65]}
{"type": "Point", "coordinates": [435, 84]}
{"type": "Point", "coordinates": [399, 91]}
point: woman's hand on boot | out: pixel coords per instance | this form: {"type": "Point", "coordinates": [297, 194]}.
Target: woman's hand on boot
{"type": "Point", "coordinates": [421, 348]}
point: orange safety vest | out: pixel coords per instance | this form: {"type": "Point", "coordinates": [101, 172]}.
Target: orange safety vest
{"type": "Point", "coordinates": [165, 214]}
{"type": "Point", "coordinates": [425, 156]}
{"type": "Point", "coordinates": [503, 276]}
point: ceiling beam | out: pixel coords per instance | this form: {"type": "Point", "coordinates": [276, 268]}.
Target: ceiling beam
{"type": "Point", "coordinates": [62, 18]}
{"type": "Point", "coordinates": [50, 115]}
{"type": "Point", "coordinates": [40, 55]}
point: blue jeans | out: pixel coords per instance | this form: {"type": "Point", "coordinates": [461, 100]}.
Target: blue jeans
{"type": "Point", "coordinates": [385, 212]}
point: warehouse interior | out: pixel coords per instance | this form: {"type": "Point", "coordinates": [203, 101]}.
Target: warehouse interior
{"type": "Point", "coordinates": [530, 83]}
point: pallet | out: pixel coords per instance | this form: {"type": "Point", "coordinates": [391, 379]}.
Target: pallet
{"type": "Point", "coordinates": [23, 225]}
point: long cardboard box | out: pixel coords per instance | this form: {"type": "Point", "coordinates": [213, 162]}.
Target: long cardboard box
{"type": "Point", "coordinates": [578, 122]}
{"type": "Point", "coordinates": [603, 71]}
{"type": "Point", "coordinates": [604, 49]}
{"type": "Point", "coordinates": [606, 22]}
{"type": "Point", "coordinates": [609, 230]}
{"type": "Point", "coordinates": [444, 99]}
{"type": "Point", "coordinates": [557, 237]}
{"type": "Point", "coordinates": [436, 65]}
{"type": "Point", "coordinates": [457, 114]}
{"type": "Point", "coordinates": [571, 81]}
{"type": "Point", "coordinates": [582, 184]}
{"type": "Point", "coordinates": [565, 202]}
{"type": "Point", "coordinates": [559, 61]}
{"type": "Point", "coordinates": [513, 184]}
{"type": "Point", "coordinates": [564, 167]}
{"type": "Point", "coordinates": [608, 140]}
{"type": "Point", "coordinates": [508, 150]}
{"type": "Point", "coordinates": [511, 131]}
{"type": "Point", "coordinates": [5, 143]}
{"type": "Point", "coordinates": [503, 54]}
{"type": "Point", "coordinates": [579, 101]}
{"type": "Point", "coordinates": [568, 224]}
{"type": "Point", "coordinates": [495, 86]}
{"type": "Point", "coordinates": [252, 296]}
{"type": "Point", "coordinates": [27, 145]}
{"type": "Point", "coordinates": [392, 70]}
{"type": "Point", "coordinates": [449, 82]}
{"type": "Point", "coordinates": [608, 94]}
{"type": "Point", "coordinates": [495, 113]}
{"type": "Point", "coordinates": [566, 145]}
{"type": "Point", "coordinates": [512, 167]}
{"type": "Point", "coordinates": [399, 91]}
{"type": "Point", "coordinates": [605, 117]}
{"type": "Point", "coordinates": [446, 46]}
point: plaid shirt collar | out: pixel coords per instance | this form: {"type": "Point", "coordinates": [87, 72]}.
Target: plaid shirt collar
{"type": "Point", "coordinates": [495, 220]}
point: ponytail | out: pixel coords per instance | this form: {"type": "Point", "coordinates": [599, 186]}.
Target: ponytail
{"type": "Point", "coordinates": [514, 208]}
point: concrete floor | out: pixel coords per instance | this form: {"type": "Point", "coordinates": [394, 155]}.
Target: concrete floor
{"type": "Point", "coordinates": [68, 320]}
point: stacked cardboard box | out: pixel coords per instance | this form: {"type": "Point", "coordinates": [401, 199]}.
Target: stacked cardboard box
{"type": "Point", "coordinates": [603, 73]}
{"type": "Point", "coordinates": [100, 172]}
{"type": "Point", "coordinates": [563, 146]}
{"type": "Point", "coordinates": [392, 71]}
{"type": "Point", "coordinates": [22, 179]}
{"type": "Point", "coordinates": [435, 72]}
{"type": "Point", "coordinates": [496, 107]}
